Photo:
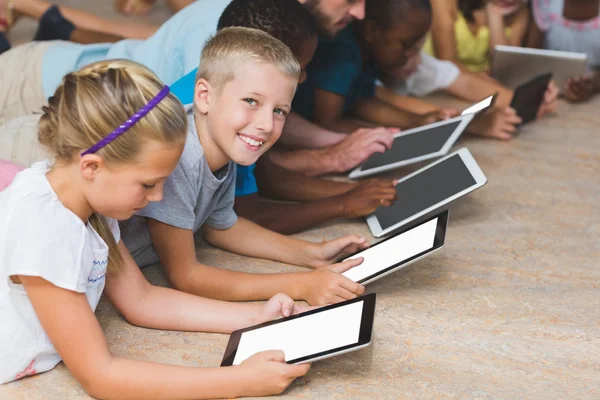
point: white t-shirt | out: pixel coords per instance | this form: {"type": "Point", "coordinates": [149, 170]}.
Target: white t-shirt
{"type": "Point", "coordinates": [39, 236]}
{"type": "Point", "coordinates": [431, 75]}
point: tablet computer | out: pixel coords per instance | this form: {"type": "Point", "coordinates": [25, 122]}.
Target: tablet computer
{"type": "Point", "coordinates": [427, 190]}
{"type": "Point", "coordinates": [529, 96]}
{"type": "Point", "coordinates": [481, 106]}
{"type": "Point", "coordinates": [398, 251]}
{"type": "Point", "coordinates": [414, 145]}
{"type": "Point", "coordinates": [310, 336]}
{"type": "Point", "coordinates": [514, 65]}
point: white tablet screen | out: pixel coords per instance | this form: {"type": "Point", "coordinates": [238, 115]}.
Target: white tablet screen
{"type": "Point", "coordinates": [479, 106]}
{"type": "Point", "coordinates": [406, 147]}
{"type": "Point", "coordinates": [305, 336]}
{"type": "Point", "coordinates": [394, 251]}
{"type": "Point", "coordinates": [426, 189]}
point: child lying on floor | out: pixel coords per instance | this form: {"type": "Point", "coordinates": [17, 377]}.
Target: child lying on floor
{"type": "Point", "coordinates": [61, 249]}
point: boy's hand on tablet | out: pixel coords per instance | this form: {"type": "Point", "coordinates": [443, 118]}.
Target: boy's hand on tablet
{"type": "Point", "coordinates": [279, 306]}
{"type": "Point", "coordinates": [360, 145]}
{"type": "Point", "coordinates": [328, 286]}
{"type": "Point", "coordinates": [579, 89]}
{"type": "Point", "coordinates": [367, 197]}
{"type": "Point", "coordinates": [266, 373]}
{"type": "Point", "coordinates": [325, 253]}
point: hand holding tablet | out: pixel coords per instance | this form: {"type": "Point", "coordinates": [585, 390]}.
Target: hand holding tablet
{"type": "Point", "coordinates": [310, 336]}
{"type": "Point", "coordinates": [427, 190]}
{"type": "Point", "coordinates": [399, 251]}
{"type": "Point", "coordinates": [414, 145]}
{"type": "Point", "coordinates": [529, 96]}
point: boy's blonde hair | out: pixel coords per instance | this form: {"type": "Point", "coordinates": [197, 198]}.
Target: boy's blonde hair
{"type": "Point", "coordinates": [90, 103]}
{"type": "Point", "coordinates": [232, 47]}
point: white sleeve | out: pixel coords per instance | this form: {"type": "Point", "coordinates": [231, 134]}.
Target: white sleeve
{"type": "Point", "coordinates": [50, 247]}
{"type": "Point", "coordinates": [431, 75]}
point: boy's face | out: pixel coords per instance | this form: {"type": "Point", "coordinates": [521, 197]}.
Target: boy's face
{"type": "Point", "coordinates": [334, 15]}
{"type": "Point", "coordinates": [246, 118]}
{"type": "Point", "coordinates": [393, 47]}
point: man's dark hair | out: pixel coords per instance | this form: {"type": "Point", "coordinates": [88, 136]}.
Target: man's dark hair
{"type": "Point", "coordinates": [385, 13]}
{"type": "Point", "coordinates": [286, 20]}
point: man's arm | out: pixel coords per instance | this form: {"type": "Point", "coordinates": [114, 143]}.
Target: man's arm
{"type": "Point", "coordinates": [299, 133]}
{"type": "Point", "coordinates": [347, 154]}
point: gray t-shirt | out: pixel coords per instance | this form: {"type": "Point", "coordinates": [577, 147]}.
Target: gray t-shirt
{"type": "Point", "coordinates": [192, 196]}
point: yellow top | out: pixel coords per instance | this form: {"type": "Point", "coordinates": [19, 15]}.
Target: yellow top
{"type": "Point", "coordinates": [472, 50]}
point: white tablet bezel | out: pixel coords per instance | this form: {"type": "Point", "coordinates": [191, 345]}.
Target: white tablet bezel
{"type": "Point", "coordinates": [491, 100]}
{"type": "Point", "coordinates": [365, 334]}
{"type": "Point", "coordinates": [472, 166]}
{"type": "Point", "coordinates": [438, 243]}
{"type": "Point", "coordinates": [357, 173]}
{"type": "Point", "coordinates": [500, 67]}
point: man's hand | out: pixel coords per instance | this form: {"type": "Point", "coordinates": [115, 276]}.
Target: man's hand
{"type": "Point", "coordinates": [359, 146]}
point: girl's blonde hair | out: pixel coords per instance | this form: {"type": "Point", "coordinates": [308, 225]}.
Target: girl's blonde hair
{"type": "Point", "coordinates": [92, 102]}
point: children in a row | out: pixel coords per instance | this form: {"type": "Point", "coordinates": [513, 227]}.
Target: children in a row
{"type": "Point", "coordinates": [322, 200]}
{"type": "Point", "coordinates": [68, 210]}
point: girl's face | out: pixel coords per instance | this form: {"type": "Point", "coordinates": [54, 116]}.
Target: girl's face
{"type": "Point", "coordinates": [120, 190]}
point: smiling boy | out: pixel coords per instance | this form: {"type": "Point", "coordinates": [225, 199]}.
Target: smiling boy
{"type": "Point", "coordinates": [244, 88]}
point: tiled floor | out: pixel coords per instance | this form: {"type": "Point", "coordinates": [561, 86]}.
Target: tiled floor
{"type": "Point", "coordinates": [509, 309]}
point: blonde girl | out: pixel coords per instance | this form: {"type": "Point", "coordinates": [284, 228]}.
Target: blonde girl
{"type": "Point", "coordinates": [115, 133]}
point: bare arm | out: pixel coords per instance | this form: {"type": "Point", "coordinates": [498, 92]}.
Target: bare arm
{"type": "Point", "coordinates": [299, 133]}
{"type": "Point", "coordinates": [175, 248]}
{"type": "Point", "coordinates": [497, 27]}
{"type": "Point", "coordinates": [535, 37]}
{"type": "Point", "coordinates": [288, 218]}
{"type": "Point", "coordinates": [362, 200]}
{"type": "Point", "coordinates": [471, 87]}
{"type": "Point", "coordinates": [379, 112]}
{"type": "Point", "coordinates": [71, 325]}
{"type": "Point", "coordinates": [445, 14]}
{"type": "Point", "coordinates": [347, 154]}
{"type": "Point", "coordinates": [328, 112]}
{"type": "Point", "coordinates": [281, 183]}
{"type": "Point", "coordinates": [408, 103]}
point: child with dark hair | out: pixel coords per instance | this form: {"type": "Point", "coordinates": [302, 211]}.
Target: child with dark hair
{"type": "Point", "coordinates": [341, 80]}
{"type": "Point", "coordinates": [570, 26]}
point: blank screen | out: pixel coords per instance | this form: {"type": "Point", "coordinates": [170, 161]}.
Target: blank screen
{"type": "Point", "coordinates": [413, 145]}
{"type": "Point", "coordinates": [426, 189]}
{"type": "Point", "coordinates": [305, 336]}
{"type": "Point", "coordinates": [394, 251]}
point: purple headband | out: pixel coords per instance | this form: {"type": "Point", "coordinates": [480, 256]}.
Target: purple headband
{"type": "Point", "coordinates": [129, 123]}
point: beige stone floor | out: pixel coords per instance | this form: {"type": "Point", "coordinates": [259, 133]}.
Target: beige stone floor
{"type": "Point", "coordinates": [509, 309]}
